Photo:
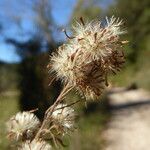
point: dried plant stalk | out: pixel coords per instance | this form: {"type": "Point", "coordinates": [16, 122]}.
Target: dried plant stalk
{"type": "Point", "coordinates": [84, 63]}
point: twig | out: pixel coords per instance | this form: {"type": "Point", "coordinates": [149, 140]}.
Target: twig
{"type": "Point", "coordinates": [50, 110]}
{"type": "Point", "coordinates": [69, 105]}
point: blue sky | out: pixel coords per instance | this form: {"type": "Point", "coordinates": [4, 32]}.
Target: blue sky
{"type": "Point", "coordinates": [61, 14]}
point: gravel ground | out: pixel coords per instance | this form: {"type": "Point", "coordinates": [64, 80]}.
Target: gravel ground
{"type": "Point", "coordinates": [129, 127]}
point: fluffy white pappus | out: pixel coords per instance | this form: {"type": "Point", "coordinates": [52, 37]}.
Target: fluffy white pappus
{"type": "Point", "coordinates": [96, 39]}
{"type": "Point", "coordinates": [94, 46]}
{"type": "Point", "coordinates": [61, 62]}
{"type": "Point", "coordinates": [66, 61]}
{"type": "Point", "coordinates": [63, 117]}
{"type": "Point", "coordinates": [80, 71]}
{"type": "Point", "coordinates": [81, 30]}
{"type": "Point", "coordinates": [22, 126]}
{"type": "Point", "coordinates": [114, 25]}
{"type": "Point", "coordinates": [35, 145]}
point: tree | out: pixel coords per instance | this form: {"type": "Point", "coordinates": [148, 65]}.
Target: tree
{"type": "Point", "coordinates": [88, 10]}
{"type": "Point", "coordinates": [33, 83]}
{"type": "Point", "coordinates": [136, 15]}
{"type": "Point", "coordinates": [34, 53]}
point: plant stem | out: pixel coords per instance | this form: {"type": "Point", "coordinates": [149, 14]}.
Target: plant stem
{"type": "Point", "coordinates": [50, 110]}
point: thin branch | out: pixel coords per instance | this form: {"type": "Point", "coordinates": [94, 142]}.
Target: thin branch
{"type": "Point", "coordinates": [50, 110]}
{"type": "Point", "coordinates": [68, 105]}
{"type": "Point", "coordinates": [64, 30]}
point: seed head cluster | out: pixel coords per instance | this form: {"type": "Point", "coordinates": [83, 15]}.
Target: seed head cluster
{"type": "Point", "coordinates": [87, 59]}
{"type": "Point", "coordinates": [94, 52]}
{"type": "Point", "coordinates": [25, 125]}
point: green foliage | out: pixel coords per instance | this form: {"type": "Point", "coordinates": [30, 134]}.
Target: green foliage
{"type": "Point", "coordinates": [33, 75]}
{"type": "Point", "coordinates": [86, 9]}
{"type": "Point", "coordinates": [8, 107]}
{"type": "Point", "coordinates": [136, 14]}
{"type": "Point", "coordinates": [34, 80]}
{"type": "Point", "coordinates": [8, 76]}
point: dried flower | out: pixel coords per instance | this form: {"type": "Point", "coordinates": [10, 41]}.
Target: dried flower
{"type": "Point", "coordinates": [86, 75]}
{"type": "Point", "coordinates": [35, 145]}
{"type": "Point", "coordinates": [63, 118]}
{"type": "Point", "coordinates": [96, 39]}
{"type": "Point", "coordinates": [90, 56]}
{"type": "Point", "coordinates": [63, 64]}
{"type": "Point", "coordinates": [22, 126]}
{"type": "Point", "coordinates": [91, 80]}
{"type": "Point", "coordinates": [114, 62]}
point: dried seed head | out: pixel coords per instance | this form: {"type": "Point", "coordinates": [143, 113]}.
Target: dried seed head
{"type": "Point", "coordinates": [22, 126]}
{"type": "Point", "coordinates": [62, 62]}
{"type": "Point", "coordinates": [114, 62]}
{"type": "Point", "coordinates": [97, 40]}
{"type": "Point", "coordinates": [87, 59]}
{"type": "Point", "coordinates": [85, 75]}
{"type": "Point", "coordinates": [91, 81]}
{"type": "Point", "coordinates": [63, 118]}
{"type": "Point", "coordinates": [35, 145]}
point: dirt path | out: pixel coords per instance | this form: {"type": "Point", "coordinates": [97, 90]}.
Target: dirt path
{"type": "Point", "coordinates": [129, 128]}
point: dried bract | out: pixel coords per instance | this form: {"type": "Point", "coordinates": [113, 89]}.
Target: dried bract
{"type": "Point", "coordinates": [91, 80]}
{"type": "Point", "coordinates": [114, 62]}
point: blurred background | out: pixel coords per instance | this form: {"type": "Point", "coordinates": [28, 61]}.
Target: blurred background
{"type": "Point", "coordinates": [31, 29]}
